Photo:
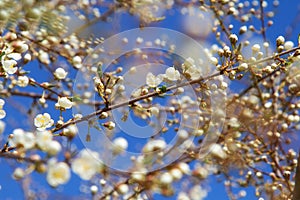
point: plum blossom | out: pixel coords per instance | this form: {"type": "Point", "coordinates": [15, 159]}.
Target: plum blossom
{"type": "Point", "coordinates": [9, 60]}
{"type": "Point", "coordinates": [9, 66]}
{"type": "Point", "coordinates": [60, 73]}
{"type": "Point", "coordinates": [64, 102]}
{"type": "Point", "coordinates": [70, 131]}
{"type": "Point", "coordinates": [43, 138]}
{"type": "Point", "coordinates": [18, 174]}
{"type": "Point", "coordinates": [87, 164]}
{"type": "Point", "coordinates": [197, 193]}
{"type": "Point", "coordinates": [53, 148]}
{"type": "Point", "coordinates": [217, 151]}
{"type": "Point", "coordinates": [45, 143]}
{"type": "Point", "coordinates": [120, 144]}
{"type": "Point", "coordinates": [77, 62]}
{"type": "Point", "coordinates": [23, 139]}
{"type": "Point", "coordinates": [154, 111]}
{"type": "Point", "coordinates": [43, 121]}
{"type": "Point", "coordinates": [23, 81]}
{"type": "Point", "coordinates": [58, 173]}
{"type": "Point", "coordinates": [166, 178]}
{"type": "Point", "coordinates": [2, 112]}
{"type": "Point", "coordinates": [152, 80]}
{"type": "Point", "coordinates": [44, 57]}
{"type": "Point", "coordinates": [2, 126]}
{"type": "Point", "coordinates": [172, 74]}
{"type": "Point", "coordinates": [154, 145]}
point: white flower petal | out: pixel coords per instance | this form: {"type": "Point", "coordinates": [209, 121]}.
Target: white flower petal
{"type": "Point", "coordinates": [2, 114]}
{"type": "Point", "coordinates": [15, 56]}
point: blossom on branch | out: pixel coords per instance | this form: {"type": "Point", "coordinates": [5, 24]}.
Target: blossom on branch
{"type": "Point", "coordinates": [58, 173]}
{"type": "Point", "coordinates": [43, 121]}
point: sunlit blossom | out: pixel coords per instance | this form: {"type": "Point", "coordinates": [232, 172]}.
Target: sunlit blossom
{"type": "Point", "coordinates": [60, 73]}
{"type": "Point", "coordinates": [58, 173]}
{"type": "Point", "coordinates": [23, 81]}
{"type": "Point", "coordinates": [43, 139]}
{"type": "Point", "coordinates": [154, 145]}
{"type": "Point", "coordinates": [172, 74]}
{"type": "Point", "coordinates": [2, 112]}
{"type": "Point", "coordinates": [64, 102]}
{"type": "Point", "coordinates": [120, 144]}
{"type": "Point", "coordinates": [9, 66]}
{"type": "Point", "coordinates": [22, 139]}
{"type": "Point", "coordinates": [87, 164]}
{"type": "Point", "coordinates": [152, 80]}
{"type": "Point", "coordinates": [43, 121]}
{"type": "Point", "coordinates": [53, 148]}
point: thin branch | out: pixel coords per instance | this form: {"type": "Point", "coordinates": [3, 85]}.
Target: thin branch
{"type": "Point", "coordinates": [155, 93]}
{"type": "Point", "coordinates": [18, 157]}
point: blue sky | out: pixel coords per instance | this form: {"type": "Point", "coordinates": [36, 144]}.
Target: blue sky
{"type": "Point", "coordinates": [9, 189]}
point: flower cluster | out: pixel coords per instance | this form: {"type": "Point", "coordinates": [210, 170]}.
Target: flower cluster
{"type": "Point", "coordinates": [233, 107]}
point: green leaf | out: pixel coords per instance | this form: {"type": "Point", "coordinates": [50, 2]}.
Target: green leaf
{"type": "Point", "coordinates": [299, 39]}
{"type": "Point", "coordinates": [163, 89]}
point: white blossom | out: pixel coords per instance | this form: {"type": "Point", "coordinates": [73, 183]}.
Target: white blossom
{"type": "Point", "coordinates": [123, 188]}
{"type": "Point", "coordinates": [43, 139]}
{"type": "Point", "coordinates": [2, 126]}
{"type": "Point", "coordinates": [172, 74]}
{"type": "Point", "coordinates": [154, 145]}
{"type": "Point", "coordinates": [217, 151]}
{"type": "Point", "coordinates": [20, 138]}
{"type": "Point", "coordinates": [243, 66]}
{"type": "Point", "coordinates": [214, 60]}
{"type": "Point", "coordinates": [197, 193]}
{"type": "Point", "coordinates": [43, 121]}
{"type": "Point", "coordinates": [166, 178]}
{"type": "Point", "coordinates": [189, 62]}
{"type": "Point", "coordinates": [9, 66]}
{"type": "Point", "coordinates": [77, 62]}
{"type": "Point", "coordinates": [233, 38]}
{"type": "Point", "coordinates": [87, 164]}
{"type": "Point", "coordinates": [255, 48]}
{"type": "Point", "coordinates": [154, 111]}
{"type": "Point", "coordinates": [183, 196]}
{"type": "Point", "coordinates": [2, 112]}
{"type": "Point", "coordinates": [194, 72]}
{"type": "Point", "coordinates": [243, 29]}
{"type": "Point", "coordinates": [15, 56]}
{"type": "Point", "coordinates": [58, 173]}
{"type": "Point", "coordinates": [71, 130]}
{"type": "Point", "coordinates": [120, 144]}
{"type": "Point", "coordinates": [139, 40]}
{"type": "Point", "coordinates": [280, 40]}
{"type": "Point", "coordinates": [288, 45]}
{"type": "Point", "coordinates": [182, 134]}
{"type": "Point", "coordinates": [60, 73]}
{"type": "Point", "coordinates": [44, 57]}
{"type": "Point", "coordinates": [94, 189]}
{"type": "Point", "coordinates": [64, 102]}
{"type": "Point", "coordinates": [23, 81]}
{"type": "Point", "coordinates": [53, 148]}
{"type": "Point", "coordinates": [19, 173]}
{"type": "Point", "coordinates": [176, 173]}
{"type": "Point", "coordinates": [152, 80]}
